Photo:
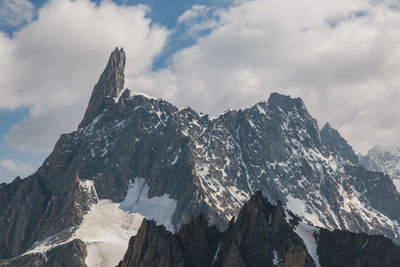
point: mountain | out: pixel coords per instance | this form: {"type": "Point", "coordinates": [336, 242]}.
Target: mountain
{"type": "Point", "coordinates": [384, 159]}
{"type": "Point", "coordinates": [136, 156]}
{"type": "Point", "coordinates": [262, 235]}
{"type": "Point", "coordinates": [332, 139]}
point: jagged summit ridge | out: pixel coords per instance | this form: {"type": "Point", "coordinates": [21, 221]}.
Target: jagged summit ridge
{"type": "Point", "coordinates": [109, 86]}
{"type": "Point", "coordinates": [262, 235]}
{"type": "Point", "coordinates": [209, 166]}
{"type": "Point", "coordinates": [337, 144]}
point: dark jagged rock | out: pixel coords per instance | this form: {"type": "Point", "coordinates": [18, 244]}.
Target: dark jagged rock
{"type": "Point", "coordinates": [153, 246]}
{"type": "Point", "coordinates": [70, 254]}
{"type": "Point", "coordinates": [33, 210]}
{"type": "Point", "coordinates": [109, 86]}
{"type": "Point", "coordinates": [346, 249]}
{"type": "Point", "coordinates": [199, 242]}
{"type": "Point", "coordinates": [261, 236]}
{"type": "Point", "coordinates": [332, 139]}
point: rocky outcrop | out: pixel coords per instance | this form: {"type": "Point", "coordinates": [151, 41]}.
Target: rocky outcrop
{"type": "Point", "coordinates": [70, 254]}
{"type": "Point", "coordinates": [259, 237]}
{"type": "Point", "coordinates": [109, 86]}
{"type": "Point", "coordinates": [346, 249]}
{"type": "Point", "coordinates": [153, 246]}
{"type": "Point", "coordinates": [262, 235]}
{"type": "Point", "coordinates": [332, 139]}
{"type": "Point", "coordinates": [33, 210]}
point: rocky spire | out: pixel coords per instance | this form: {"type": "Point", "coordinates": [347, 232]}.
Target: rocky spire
{"type": "Point", "coordinates": [332, 139]}
{"type": "Point", "coordinates": [109, 86]}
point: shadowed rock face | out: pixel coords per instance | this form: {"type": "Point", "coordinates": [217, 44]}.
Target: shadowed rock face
{"type": "Point", "coordinates": [337, 144]}
{"type": "Point", "coordinates": [260, 231]}
{"type": "Point", "coordinates": [109, 86]}
{"type": "Point", "coordinates": [70, 254]}
{"type": "Point", "coordinates": [343, 248]}
{"type": "Point", "coordinates": [33, 210]}
{"type": "Point", "coordinates": [261, 236]}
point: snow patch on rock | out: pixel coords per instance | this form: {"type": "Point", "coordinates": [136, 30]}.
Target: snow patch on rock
{"type": "Point", "coordinates": [306, 232]}
{"type": "Point", "coordinates": [106, 230]}
{"type": "Point", "coordinates": [159, 209]}
{"type": "Point", "coordinates": [108, 226]}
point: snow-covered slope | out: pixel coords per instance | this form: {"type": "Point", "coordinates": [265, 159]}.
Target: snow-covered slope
{"type": "Point", "coordinates": [159, 209]}
{"type": "Point", "coordinates": [107, 227]}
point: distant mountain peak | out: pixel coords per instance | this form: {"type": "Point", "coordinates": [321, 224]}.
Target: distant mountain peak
{"type": "Point", "coordinates": [332, 139]}
{"type": "Point", "coordinates": [327, 126]}
{"type": "Point", "coordinates": [285, 101]}
{"type": "Point", "coordinates": [108, 87]}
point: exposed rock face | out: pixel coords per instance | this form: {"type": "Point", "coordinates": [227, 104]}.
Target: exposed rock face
{"type": "Point", "coordinates": [343, 248]}
{"type": "Point", "coordinates": [212, 166]}
{"type": "Point", "coordinates": [109, 86]}
{"type": "Point", "coordinates": [259, 237]}
{"type": "Point", "coordinates": [332, 139]}
{"type": "Point", "coordinates": [33, 209]}
{"type": "Point", "coordinates": [208, 165]}
{"type": "Point", "coordinates": [153, 246]}
{"type": "Point", "coordinates": [70, 254]}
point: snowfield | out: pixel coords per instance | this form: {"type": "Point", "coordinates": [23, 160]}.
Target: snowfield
{"type": "Point", "coordinates": [108, 226]}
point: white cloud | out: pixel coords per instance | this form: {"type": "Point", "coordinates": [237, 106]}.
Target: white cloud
{"type": "Point", "coordinates": [14, 13]}
{"type": "Point", "coordinates": [16, 168]}
{"type": "Point", "coordinates": [193, 13]}
{"type": "Point", "coordinates": [53, 63]}
{"type": "Point", "coordinates": [341, 57]}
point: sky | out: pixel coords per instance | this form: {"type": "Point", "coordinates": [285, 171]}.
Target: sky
{"type": "Point", "coordinates": [341, 57]}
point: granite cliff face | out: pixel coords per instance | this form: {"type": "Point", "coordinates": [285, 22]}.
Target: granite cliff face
{"type": "Point", "coordinates": [332, 139]}
{"type": "Point", "coordinates": [262, 235]}
{"type": "Point", "coordinates": [202, 164]}
{"type": "Point", "coordinates": [259, 237]}
{"type": "Point", "coordinates": [109, 86]}
{"type": "Point", "coordinates": [70, 254]}
{"type": "Point", "coordinates": [35, 208]}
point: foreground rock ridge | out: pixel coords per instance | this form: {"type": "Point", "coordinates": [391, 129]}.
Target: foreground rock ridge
{"type": "Point", "coordinates": [206, 165]}
{"type": "Point", "coordinates": [262, 235]}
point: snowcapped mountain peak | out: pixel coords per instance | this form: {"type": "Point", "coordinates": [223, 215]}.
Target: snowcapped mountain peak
{"type": "Point", "coordinates": [285, 101]}
{"type": "Point", "coordinates": [203, 164]}
{"type": "Point", "coordinates": [108, 87]}
{"type": "Point", "coordinates": [384, 159]}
